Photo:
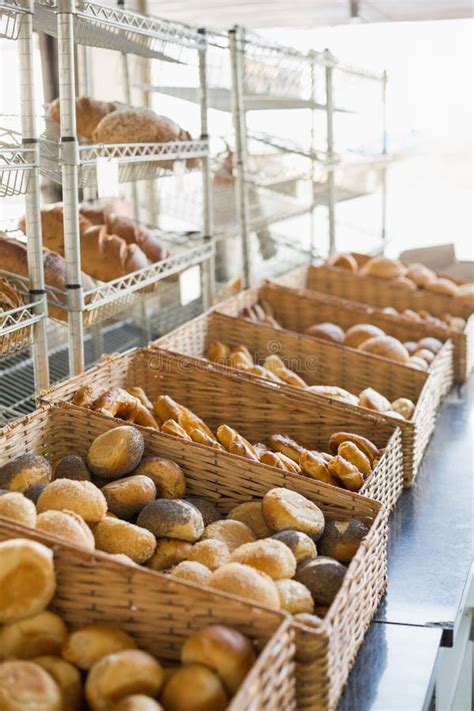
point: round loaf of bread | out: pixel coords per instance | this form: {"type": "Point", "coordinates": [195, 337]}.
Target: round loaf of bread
{"type": "Point", "coordinates": [67, 677]}
{"type": "Point", "coordinates": [285, 509]}
{"type": "Point", "coordinates": [387, 347]}
{"type": "Point", "coordinates": [432, 344]}
{"type": "Point", "coordinates": [27, 579]}
{"type": "Point", "coordinates": [250, 513]}
{"type": "Point", "coordinates": [323, 577]}
{"type": "Point", "coordinates": [411, 347]}
{"type": "Point", "coordinates": [224, 650]}
{"type": "Point", "coordinates": [137, 702]}
{"type": "Point", "coordinates": [245, 581]}
{"type": "Point", "coordinates": [127, 497]}
{"type": "Point", "coordinates": [25, 686]}
{"type": "Point", "coordinates": [168, 553]}
{"type": "Point", "coordinates": [344, 261]}
{"type": "Point", "coordinates": [86, 645]}
{"type": "Point", "coordinates": [404, 282]}
{"type": "Point", "coordinates": [121, 674]}
{"type": "Point", "coordinates": [209, 511]}
{"type": "Point", "coordinates": [269, 556]}
{"type": "Point", "coordinates": [192, 571]}
{"type": "Point", "coordinates": [373, 400]}
{"type": "Point", "coordinates": [18, 508]}
{"type": "Point", "coordinates": [172, 518]}
{"type": "Point", "coordinates": [211, 553]}
{"type": "Point", "coordinates": [68, 526]}
{"type": "Point", "coordinates": [232, 533]}
{"type": "Point", "coordinates": [443, 286]}
{"type": "Point", "coordinates": [25, 471]}
{"type": "Point", "coordinates": [327, 332]}
{"type": "Point", "coordinates": [33, 637]}
{"type": "Point", "coordinates": [116, 452]}
{"type": "Point", "coordinates": [341, 539]}
{"type": "Point", "coordinates": [72, 466]}
{"type": "Point", "coordinates": [417, 362]}
{"type": "Point", "coordinates": [424, 353]}
{"type": "Point", "coordinates": [383, 267]}
{"type": "Point", "coordinates": [361, 332]}
{"type": "Point", "coordinates": [82, 497]}
{"type": "Point", "coordinates": [112, 535]}
{"type": "Point", "coordinates": [294, 597]}
{"type": "Point", "coordinates": [34, 492]}
{"type": "Point", "coordinates": [301, 545]}
{"type": "Point", "coordinates": [404, 407]}
{"type": "Point", "coordinates": [194, 687]}
{"type": "Point", "coordinates": [421, 275]}
{"type": "Point", "coordinates": [167, 475]}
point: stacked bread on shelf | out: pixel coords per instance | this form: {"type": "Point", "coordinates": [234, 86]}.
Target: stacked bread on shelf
{"type": "Point", "coordinates": [10, 297]}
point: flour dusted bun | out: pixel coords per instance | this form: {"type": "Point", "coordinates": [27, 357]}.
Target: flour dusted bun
{"type": "Point", "coordinates": [168, 553]}
{"type": "Point", "coordinates": [285, 509]}
{"type": "Point", "coordinates": [25, 686]}
{"type": "Point", "coordinates": [33, 637]}
{"type": "Point", "coordinates": [232, 533]}
{"type": "Point", "coordinates": [25, 471]}
{"type": "Point", "coordinates": [18, 508]}
{"type": "Point", "coordinates": [113, 535]}
{"type": "Point", "coordinates": [294, 596]}
{"type": "Point", "coordinates": [250, 513]}
{"type": "Point", "coordinates": [245, 581]}
{"type": "Point", "coordinates": [116, 452]}
{"type": "Point", "coordinates": [269, 556]}
{"type": "Point", "coordinates": [81, 497]}
{"type": "Point", "coordinates": [194, 687]}
{"type": "Point", "coordinates": [68, 526]}
{"type": "Point", "coordinates": [67, 677]}
{"type": "Point", "coordinates": [361, 332]}
{"type": "Point", "coordinates": [211, 553]}
{"type": "Point", "coordinates": [86, 645]}
{"type": "Point", "coordinates": [192, 571]}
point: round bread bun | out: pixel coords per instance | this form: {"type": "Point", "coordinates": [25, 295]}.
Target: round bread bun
{"type": "Point", "coordinates": [68, 679]}
{"type": "Point", "coordinates": [34, 492]}
{"type": "Point", "coordinates": [411, 347]}
{"type": "Point", "coordinates": [86, 645]}
{"type": "Point", "coordinates": [16, 507]}
{"type": "Point", "coordinates": [285, 509]}
{"type": "Point", "coordinates": [224, 650]}
{"type": "Point", "coordinates": [327, 332]}
{"type": "Point", "coordinates": [404, 407]}
{"type": "Point", "coordinates": [168, 553]}
{"type": "Point", "coordinates": [25, 686]}
{"type": "Point", "coordinates": [383, 267]}
{"type": "Point", "coordinates": [269, 556]}
{"type": "Point", "coordinates": [232, 533]}
{"type": "Point", "coordinates": [127, 497]}
{"type": "Point", "coordinates": [25, 471]}
{"type": "Point", "coordinates": [323, 577]}
{"type": "Point", "coordinates": [194, 687]}
{"type": "Point", "coordinates": [301, 545]}
{"type": "Point", "coordinates": [373, 400]}
{"type": "Point", "coordinates": [294, 597]}
{"type": "Point", "coordinates": [193, 572]}
{"type": "Point", "coordinates": [250, 513]}
{"type": "Point", "coordinates": [68, 526]}
{"type": "Point", "coordinates": [387, 347]}
{"type": "Point", "coordinates": [137, 702]}
{"type": "Point", "coordinates": [72, 466]}
{"type": "Point", "coordinates": [168, 477]}
{"type": "Point", "coordinates": [27, 579]}
{"type": "Point", "coordinates": [116, 452]}
{"type": "Point", "coordinates": [112, 535]}
{"type": "Point", "coordinates": [465, 298]}
{"type": "Point", "coordinates": [431, 344]}
{"type": "Point", "coordinates": [421, 275]}
{"type": "Point", "coordinates": [121, 674]}
{"type": "Point", "coordinates": [417, 362]}
{"type": "Point", "coordinates": [211, 553]}
{"type": "Point", "coordinates": [344, 261]}
{"type": "Point", "coordinates": [341, 539]}
{"type": "Point", "coordinates": [424, 353]}
{"type": "Point", "coordinates": [172, 518]}
{"type": "Point", "coordinates": [209, 511]}
{"type": "Point", "coordinates": [245, 581]}
{"type": "Point", "coordinates": [33, 637]}
{"type": "Point", "coordinates": [404, 282]}
{"type": "Point", "coordinates": [361, 332]}
{"type": "Point", "coordinates": [443, 286]}
{"type": "Point", "coordinates": [81, 497]}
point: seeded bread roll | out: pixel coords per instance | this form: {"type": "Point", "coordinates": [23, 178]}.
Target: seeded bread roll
{"type": "Point", "coordinates": [86, 645]}
{"type": "Point", "coordinates": [25, 686]}
{"type": "Point", "coordinates": [341, 539]}
{"type": "Point", "coordinates": [209, 511]}
{"type": "Point", "coordinates": [172, 518]}
{"type": "Point", "coordinates": [18, 508]}
{"type": "Point", "coordinates": [42, 634]}
{"type": "Point", "coordinates": [301, 545]}
{"type": "Point", "coordinates": [116, 452]}
{"type": "Point", "coordinates": [194, 687]}
{"type": "Point", "coordinates": [327, 332]}
{"type": "Point", "coordinates": [167, 475]}
{"type": "Point", "coordinates": [250, 513]}
{"type": "Point", "coordinates": [115, 536]}
{"type": "Point", "coordinates": [127, 497]}
{"type": "Point", "coordinates": [294, 597]}
{"type": "Point", "coordinates": [66, 677]}
{"type": "Point", "coordinates": [168, 553]}
{"type": "Point", "coordinates": [269, 556]}
{"type": "Point", "coordinates": [232, 533]}
{"type": "Point", "coordinates": [68, 526]}
{"type": "Point", "coordinates": [224, 650]}
{"type": "Point", "coordinates": [323, 577]}
{"type": "Point", "coordinates": [25, 471]}
{"type": "Point", "coordinates": [121, 674]}
{"type": "Point", "coordinates": [284, 509]}
{"type": "Point", "coordinates": [137, 702]}
{"type": "Point", "coordinates": [82, 497]}
{"type": "Point", "coordinates": [211, 553]}
{"type": "Point", "coordinates": [192, 571]}
{"type": "Point", "coordinates": [72, 466]}
{"type": "Point", "coordinates": [245, 581]}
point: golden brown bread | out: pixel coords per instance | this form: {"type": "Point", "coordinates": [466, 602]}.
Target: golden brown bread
{"type": "Point", "coordinates": [327, 332]}
{"type": "Point", "coordinates": [286, 445]}
{"type": "Point", "coordinates": [269, 556]}
{"type": "Point", "coordinates": [171, 427]}
{"type": "Point", "coordinates": [245, 581]}
{"type": "Point", "coordinates": [421, 275]}
{"type": "Point", "coordinates": [192, 571]}
{"type": "Point", "coordinates": [275, 364]}
{"type": "Point", "coordinates": [250, 513]}
{"type": "Point", "coordinates": [294, 596]}
{"type": "Point", "coordinates": [232, 533]}
{"type": "Point", "coordinates": [137, 702]}
{"type": "Point", "coordinates": [315, 466]}
{"type": "Point", "coordinates": [235, 443]}
{"type": "Point", "coordinates": [137, 126]}
{"type": "Point", "coordinates": [194, 687]}
{"type": "Point", "coordinates": [404, 282]}
{"type": "Point", "coordinates": [68, 526]}
{"type": "Point", "coordinates": [113, 535]}
{"type": "Point", "coordinates": [52, 227]}
{"type": "Point", "coordinates": [211, 553]}
{"type": "Point", "coordinates": [116, 452]}
{"type": "Point", "coordinates": [387, 347]}
{"type": "Point", "coordinates": [201, 437]}
{"type": "Point", "coordinates": [25, 686]}
{"type": "Point", "coordinates": [341, 539]}
{"type": "Point", "coordinates": [404, 407]}
{"type": "Point", "coordinates": [169, 552]}
{"type": "Point", "coordinates": [442, 285]}
{"type": "Point", "coordinates": [346, 472]}
{"type": "Point", "coordinates": [32, 637]}
{"type": "Point", "coordinates": [364, 444]}
{"type": "Point", "coordinates": [168, 476]}
{"type": "Point", "coordinates": [81, 497]}
{"type": "Point", "coordinates": [351, 453]}
{"type": "Point", "coordinates": [86, 645]}
{"type": "Point", "coordinates": [89, 112]}
{"type": "Point", "coordinates": [166, 408]}
{"type": "Point", "coordinates": [67, 677]}
{"type": "Point", "coordinates": [128, 230]}
{"type": "Point", "coordinates": [300, 544]}
{"type": "Point", "coordinates": [373, 400]}
{"type": "Point", "coordinates": [17, 507]}
{"type": "Point", "coordinates": [106, 257]}
{"type": "Point", "coordinates": [218, 352]}
{"type": "Point", "coordinates": [383, 268]}
{"type": "Point", "coordinates": [10, 297]}
{"type": "Point", "coordinates": [334, 392]}
{"type": "Point", "coordinates": [128, 496]}
{"type": "Point", "coordinates": [361, 332]}
{"type": "Point", "coordinates": [343, 261]}
{"type": "Point", "coordinates": [285, 509]}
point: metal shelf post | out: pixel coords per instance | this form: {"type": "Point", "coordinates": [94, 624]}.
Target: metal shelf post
{"type": "Point", "coordinates": [384, 152]}
{"type": "Point", "coordinates": [208, 268]}
{"type": "Point", "coordinates": [313, 160]}
{"type": "Point", "coordinates": [330, 150]}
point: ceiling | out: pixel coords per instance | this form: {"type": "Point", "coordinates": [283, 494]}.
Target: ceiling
{"type": "Point", "coordinates": [305, 14]}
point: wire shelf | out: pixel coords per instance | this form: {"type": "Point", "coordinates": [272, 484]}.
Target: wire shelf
{"type": "Point", "coordinates": [16, 164]}
{"type": "Point", "coordinates": [12, 14]}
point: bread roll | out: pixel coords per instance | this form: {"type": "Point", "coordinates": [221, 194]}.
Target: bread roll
{"type": "Point", "coordinates": [323, 577]}
{"type": "Point", "coordinates": [326, 332]}
{"type": "Point", "coordinates": [404, 283]}
{"type": "Point", "coordinates": [211, 553]}
{"type": "Point", "coordinates": [25, 686]}
{"type": "Point", "coordinates": [172, 518]}
{"type": "Point", "coordinates": [168, 553]}
{"type": "Point", "coordinates": [81, 497]}
{"type": "Point", "coordinates": [404, 406]}
{"type": "Point", "coordinates": [314, 465]}
{"type": "Point", "coordinates": [18, 508]}
{"type": "Point", "coordinates": [343, 261]}
{"type": "Point", "coordinates": [361, 332]}
{"type": "Point", "coordinates": [66, 677]}
{"type": "Point", "coordinates": [25, 471]}
{"type": "Point", "coordinates": [431, 344]}
{"type": "Point", "coordinates": [141, 125]}
{"type": "Point", "coordinates": [294, 597]}
{"type": "Point", "coordinates": [269, 556]}
{"type": "Point", "coordinates": [116, 452]}
{"type": "Point", "coordinates": [351, 453]}
{"type": "Point", "coordinates": [167, 475]}
{"type": "Point", "coordinates": [232, 533]}
{"type": "Point", "coordinates": [137, 702]}
{"type": "Point", "coordinates": [68, 526]}
{"type": "Point", "coordinates": [334, 392]}
{"type": "Point", "coordinates": [443, 286]}
{"type": "Point", "coordinates": [245, 581]}
{"type": "Point", "coordinates": [341, 539]}
{"type": "Point", "coordinates": [209, 511]}
{"type": "Point", "coordinates": [194, 687]}
{"type": "Point", "coordinates": [346, 473]}
{"type": "Point", "coordinates": [121, 674]}
{"type": "Point", "coordinates": [373, 400]}
{"type": "Point", "coordinates": [115, 536]}
{"type": "Point", "coordinates": [224, 650]}
{"type": "Point", "coordinates": [72, 466]}
{"type": "Point", "coordinates": [192, 571]}
{"type": "Point", "coordinates": [300, 544]}
{"type": "Point", "coordinates": [387, 347]}
{"type": "Point", "coordinates": [89, 113]}
{"type": "Point", "coordinates": [417, 362]}
{"type": "Point", "coordinates": [33, 637]}
{"type": "Point", "coordinates": [464, 298]}
{"type": "Point", "coordinates": [383, 268]}
{"type": "Point", "coordinates": [127, 497]}
{"type": "Point", "coordinates": [285, 509]}
{"type": "Point", "coordinates": [250, 513]}
{"type": "Point", "coordinates": [86, 645]}
{"type": "Point", "coordinates": [428, 356]}
{"type": "Point", "coordinates": [421, 275]}
{"type": "Point", "coordinates": [218, 352]}
{"type": "Point", "coordinates": [364, 444]}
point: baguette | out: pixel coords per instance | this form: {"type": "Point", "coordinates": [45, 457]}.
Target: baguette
{"type": "Point", "coordinates": [235, 443]}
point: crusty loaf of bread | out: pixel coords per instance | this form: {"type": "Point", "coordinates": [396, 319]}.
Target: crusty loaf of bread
{"type": "Point", "coordinates": [137, 126]}
{"type": "Point", "coordinates": [108, 257]}
{"type": "Point", "coordinates": [89, 112]}
{"type": "Point", "coordinates": [52, 227]}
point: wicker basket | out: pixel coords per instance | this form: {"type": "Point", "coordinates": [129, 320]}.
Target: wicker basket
{"type": "Point", "coordinates": [324, 653]}
{"type": "Point", "coordinates": [319, 363]}
{"type": "Point", "coordinates": [381, 292]}
{"type": "Point", "coordinates": [256, 409]}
